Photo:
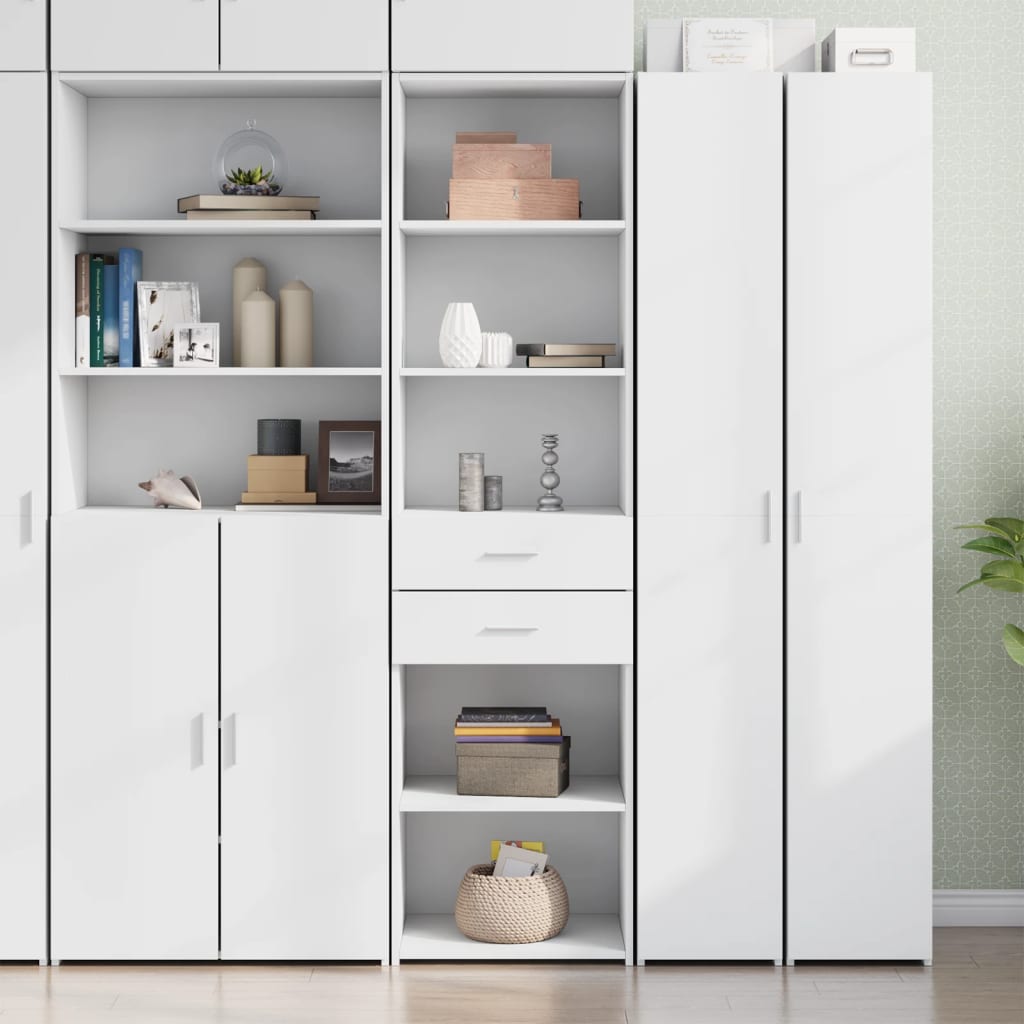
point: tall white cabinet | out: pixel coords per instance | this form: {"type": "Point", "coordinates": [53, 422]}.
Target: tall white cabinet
{"type": "Point", "coordinates": [709, 495]}
{"type": "Point", "coordinates": [747, 509]}
{"type": "Point", "coordinates": [858, 375]}
{"type": "Point", "coordinates": [23, 504]}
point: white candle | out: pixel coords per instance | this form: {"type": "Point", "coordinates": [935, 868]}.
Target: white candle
{"type": "Point", "coordinates": [247, 276]}
{"type": "Point", "coordinates": [296, 324]}
{"type": "Point", "coordinates": [258, 329]}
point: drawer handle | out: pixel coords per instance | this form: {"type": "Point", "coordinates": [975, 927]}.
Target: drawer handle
{"type": "Point", "coordinates": [868, 56]}
{"type": "Point", "coordinates": [510, 554]}
{"type": "Point", "coordinates": [508, 630]}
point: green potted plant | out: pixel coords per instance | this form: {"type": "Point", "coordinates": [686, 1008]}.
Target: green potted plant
{"type": "Point", "coordinates": [1004, 539]}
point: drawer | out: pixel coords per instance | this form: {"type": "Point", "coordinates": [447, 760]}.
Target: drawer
{"type": "Point", "coordinates": [512, 551]}
{"type": "Point", "coordinates": [512, 629]}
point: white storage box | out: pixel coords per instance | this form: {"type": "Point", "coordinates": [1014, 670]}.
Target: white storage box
{"type": "Point", "coordinates": [869, 49]}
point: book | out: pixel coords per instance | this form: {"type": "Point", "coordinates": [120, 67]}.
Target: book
{"type": "Point", "coordinates": [250, 215]}
{"type": "Point", "coordinates": [508, 739]}
{"type": "Point", "coordinates": [111, 334]}
{"type": "Point", "coordinates": [129, 266]}
{"type": "Point", "coordinates": [551, 349]}
{"type": "Point", "coordinates": [476, 723]}
{"type": "Point", "coordinates": [81, 309]}
{"type": "Point", "coordinates": [486, 715]}
{"type": "Point", "coordinates": [95, 310]}
{"type": "Point", "coordinates": [565, 362]}
{"type": "Point", "coordinates": [523, 844]}
{"type": "Point", "coordinates": [554, 729]}
{"type": "Point", "coordinates": [222, 202]}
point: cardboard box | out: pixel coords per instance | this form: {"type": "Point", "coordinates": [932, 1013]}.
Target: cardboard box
{"type": "Point", "coordinates": [514, 199]}
{"type": "Point", "coordinates": [277, 473]}
{"type": "Point", "coordinates": [869, 50]}
{"type": "Point", "coordinates": [517, 160]}
{"type": "Point", "coordinates": [278, 497]}
{"type": "Point", "coordinates": [476, 138]}
{"type": "Point", "coordinates": [512, 769]}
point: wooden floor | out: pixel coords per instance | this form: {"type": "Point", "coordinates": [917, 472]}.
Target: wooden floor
{"type": "Point", "coordinates": [977, 978]}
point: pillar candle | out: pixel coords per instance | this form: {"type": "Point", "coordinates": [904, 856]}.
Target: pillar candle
{"type": "Point", "coordinates": [471, 482]}
{"type": "Point", "coordinates": [296, 324]}
{"type": "Point", "coordinates": [258, 329]}
{"type": "Point", "coordinates": [247, 276]}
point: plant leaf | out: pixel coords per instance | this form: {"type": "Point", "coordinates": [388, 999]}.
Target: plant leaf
{"type": "Point", "coordinates": [986, 528]}
{"type": "Point", "coordinates": [1003, 575]}
{"type": "Point", "coordinates": [1014, 527]}
{"type": "Point", "coordinates": [1013, 641]}
{"type": "Point", "coordinates": [992, 546]}
{"type": "Point", "coordinates": [973, 583]}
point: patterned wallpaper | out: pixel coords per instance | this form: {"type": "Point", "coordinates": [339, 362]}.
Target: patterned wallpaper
{"type": "Point", "coordinates": [975, 50]}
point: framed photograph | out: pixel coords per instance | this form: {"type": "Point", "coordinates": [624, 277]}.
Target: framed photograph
{"type": "Point", "coordinates": [196, 345]}
{"type": "Point", "coordinates": [348, 462]}
{"type": "Point", "coordinates": [162, 306]}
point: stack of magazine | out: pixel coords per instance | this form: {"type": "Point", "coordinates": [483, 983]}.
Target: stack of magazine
{"type": "Point", "coordinates": [516, 858]}
{"type": "Point", "coordinates": [507, 725]}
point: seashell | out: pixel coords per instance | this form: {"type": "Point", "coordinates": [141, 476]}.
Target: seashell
{"type": "Point", "coordinates": [170, 491]}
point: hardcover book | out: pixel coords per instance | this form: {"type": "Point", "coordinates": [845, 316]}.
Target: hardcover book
{"type": "Point", "coordinates": [222, 202]}
{"type": "Point", "coordinates": [96, 310]}
{"type": "Point", "coordinates": [488, 716]}
{"type": "Point", "coordinates": [507, 739]}
{"type": "Point", "coordinates": [471, 712]}
{"type": "Point", "coordinates": [250, 215]}
{"type": "Point", "coordinates": [554, 729]}
{"type": "Point", "coordinates": [82, 309]}
{"type": "Point", "coordinates": [565, 362]}
{"type": "Point", "coordinates": [111, 334]}
{"type": "Point", "coordinates": [555, 349]}
{"type": "Point", "coordinates": [129, 265]}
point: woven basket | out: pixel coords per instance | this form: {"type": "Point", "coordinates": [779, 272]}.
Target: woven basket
{"type": "Point", "coordinates": [491, 909]}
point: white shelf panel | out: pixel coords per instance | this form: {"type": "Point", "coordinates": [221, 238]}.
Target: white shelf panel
{"type": "Point", "coordinates": [216, 85]}
{"type": "Point", "coordinates": [585, 937]}
{"type": "Point", "coordinates": [223, 227]}
{"type": "Point", "coordinates": [508, 371]}
{"type": "Point", "coordinates": [220, 510]}
{"type": "Point", "coordinates": [510, 510]}
{"type": "Point", "coordinates": [587, 793]}
{"type": "Point", "coordinates": [533, 85]}
{"type": "Point", "coordinates": [520, 228]}
{"type": "Point", "coordinates": [223, 371]}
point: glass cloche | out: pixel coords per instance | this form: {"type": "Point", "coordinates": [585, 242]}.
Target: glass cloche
{"type": "Point", "coordinates": [250, 162]}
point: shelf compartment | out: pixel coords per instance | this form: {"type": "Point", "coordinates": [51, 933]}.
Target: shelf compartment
{"type": "Point", "coordinates": [436, 793]}
{"type": "Point", "coordinates": [222, 85]}
{"type": "Point", "coordinates": [134, 372]}
{"type": "Point", "coordinates": [511, 371]}
{"type": "Point", "coordinates": [585, 937]}
{"type": "Point", "coordinates": [513, 228]}
{"type": "Point", "coordinates": [355, 228]}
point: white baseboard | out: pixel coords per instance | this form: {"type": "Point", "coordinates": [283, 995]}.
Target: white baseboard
{"type": "Point", "coordinates": [973, 908]}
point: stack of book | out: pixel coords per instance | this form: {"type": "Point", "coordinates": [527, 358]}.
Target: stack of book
{"type": "Point", "coordinates": [106, 308]}
{"type": "Point", "coordinates": [507, 725]}
{"type": "Point", "coordinates": [553, 356]}
{"type": "Point", "coordinates": [222, 207]}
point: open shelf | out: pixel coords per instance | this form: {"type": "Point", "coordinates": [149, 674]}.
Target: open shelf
{"type": "Point", "coordinates": [222, 85]}
{"type": "Point", "coordinates": [222, 371]}
{"type": "Point", "coordinates": [525, 228]}
{"type": "Point", "coordinates": [223, 227]}
{"type": "Point", "coordinates": [515, 510]}
{"type": "Point", "coordinates": [426, 793]}
{"type": "Point", "coordinates": [585, 937]}
{"type": "Point", "coordinates": [511, 371]}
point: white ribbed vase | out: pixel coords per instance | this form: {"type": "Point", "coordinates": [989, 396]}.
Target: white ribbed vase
{"type": "Point", "coordinates": [459, 341]}
{"type": "Point", "coordinates": [496, 349]}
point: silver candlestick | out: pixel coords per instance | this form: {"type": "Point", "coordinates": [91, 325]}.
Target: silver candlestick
{"type": "Point", "coordinates": [549, 479]}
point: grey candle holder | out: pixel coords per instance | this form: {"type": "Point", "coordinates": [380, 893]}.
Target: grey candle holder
{"type": "Point", "coordinates": [549, 479]}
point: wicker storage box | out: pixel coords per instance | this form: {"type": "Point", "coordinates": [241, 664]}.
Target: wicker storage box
{"type": "Point", "coordinates": [490, 909]}
{"type": "Point", "coordinates": [512, 769]}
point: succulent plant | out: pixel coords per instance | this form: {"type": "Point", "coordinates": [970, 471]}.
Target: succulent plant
{"type": "Point", "coordinates": [252, 176]}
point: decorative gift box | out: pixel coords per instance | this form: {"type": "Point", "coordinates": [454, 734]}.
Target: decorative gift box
{"type": "Point", "coordinates": [278, 473]}
{"type": "Point", "coordinates": [514, 199]}
{"type": "Point", "coordinates": [869, 49]}
{"type": "Point", "coordinates": [512, 769]}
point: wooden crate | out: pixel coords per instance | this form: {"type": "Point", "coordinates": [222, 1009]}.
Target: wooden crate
{"type": "Point", "coordinates": [514, 160]}
{"type": "Point", "coordinates": [514, 199]}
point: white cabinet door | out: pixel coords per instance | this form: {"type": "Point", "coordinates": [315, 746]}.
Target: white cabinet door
{"type": "Point", "coordinates": [709, 294]}
{"type": "Point", "coordinates": [859, 307]}
{"type": "Point", "coordinates": [529, 35]}
{"type": "Point", "coordinates": [22, 36]}
{"type": "Point", "coordinates": [305, 35]}
{"type": "Point", "coordinates": [23, 738]}
{"type": "Point", "coordinates": [134, 735]}
{"type": "Point", "coordinates": [23, 378]}
{"type": "Point", "coordinates": [859, 739]}
{"type": "Point", "coordinates": [304, 700]}
{"type": "Point", "coordinates": [709, 739]}
{"type": "Point", "coordinates": [133, 35]}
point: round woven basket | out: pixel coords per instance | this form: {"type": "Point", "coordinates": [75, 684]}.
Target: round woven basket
{"type": "Point", "coordinates": [491, 909]}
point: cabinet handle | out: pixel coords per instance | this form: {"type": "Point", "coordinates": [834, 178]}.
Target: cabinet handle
{"type": "Point", "coordinates": [510, 554]}
{"type": "Point", "coordinates": [197, 746]}
{"type": "Point", "coordinates": [508, 630]}
{"type": "Point", "coordinates": [229, 740]}
{"type": "Point", "coordinates": [799, 517]}
{"type": "Point", "coordinates": [872, 56]}
{"type": "Point", "coordinates": [767, 517]}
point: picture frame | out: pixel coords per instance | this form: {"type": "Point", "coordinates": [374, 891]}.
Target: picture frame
{"type": "Point", "coordinates": [348, 462]}
{"type": "Point", "coordinates": [196, 345]}
{"type": "Point", "coordinates": [162, 306]}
